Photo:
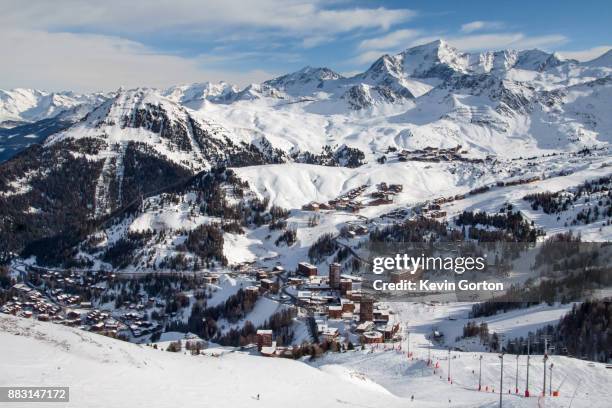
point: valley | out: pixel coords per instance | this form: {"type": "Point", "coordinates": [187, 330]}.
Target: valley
{"type": "Point", "coordinates": [233, 229]}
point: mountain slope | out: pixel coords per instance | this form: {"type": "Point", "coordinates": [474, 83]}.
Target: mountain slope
{"type": "Point", "coordinates": [132, 145]}
{"type": "Point", "coordinates": [31, 105]}
{"type": "Point", "coordinates": [498, 107]}
{"type": "Point", "coordinates": [104, 372]}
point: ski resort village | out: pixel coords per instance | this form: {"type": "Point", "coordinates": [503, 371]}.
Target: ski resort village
{"type": "Point", "coordinates": [212, 245]}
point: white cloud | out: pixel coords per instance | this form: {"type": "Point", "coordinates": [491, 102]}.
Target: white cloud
{"type": "Point", "coordinates": [368, 57]}
{"type": "Point", "coordinates": [87, 62]}
{"type": "Point", "coordinates": [391, 40]}
{"type": "Point", "coordinates": [291, 17]}
{"type": "Point", "coordinates": [313, 41]}
{"type": "Point", "coordinates": [586, 55]}
{"type": "Point", "coordinates": [87, 45]}
{"type": "Point", "coordinates": [481, 25]}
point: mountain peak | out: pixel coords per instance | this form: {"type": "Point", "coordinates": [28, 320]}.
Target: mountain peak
{"type": "Point", "coordinates": [304, 81]}
{"type": "Point", "coordinates": [433, 59]}
{"type": "Point", "coordinates": [194, 94]}
{"type": "Point", "coordinates": [536, 60]}
{"type": "Point", "coordinates": [604, 60]}
{"type": "Point", "coordinates": [30, 105]}
{"type": "Point", "coordinates": [435, 46]}
{"type": "Point", "coordinates": [306, 74]}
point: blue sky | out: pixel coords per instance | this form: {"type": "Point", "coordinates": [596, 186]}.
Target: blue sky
{"type": "Point", "coordinates": [93, 45]}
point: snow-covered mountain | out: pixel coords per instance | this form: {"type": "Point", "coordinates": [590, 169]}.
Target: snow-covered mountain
{"type": "Point", "coordinates": [229, 182]}
{"type": "Point", "coordinates": [306, 81]}
{"type": "Point", "coordinates": [432, 90]}
{"type": "Point", "coordinates": [28, 116]}
{"type": "Point", "coordinates": [500, 107]}
{"type": "Point", "coordinates": [133, 144]}
{"type": "Point", "coordinates": [195, 94]}
{"type": "Point", "coordinates": [31, 105]}
{"type": "Point", "coordinates": [604, 60]}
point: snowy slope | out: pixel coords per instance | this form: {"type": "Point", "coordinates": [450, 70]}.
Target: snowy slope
{"type": "Point", "coordinates": [103, 372]}
{"type": "Point", "coordinates": [585, 383]}
{"type": "Point", "coordinates": [30, 105]}
{"type": "Point", "coordinates": [513, 114]}
{"type": "Point", "coordinates": [506, 103]}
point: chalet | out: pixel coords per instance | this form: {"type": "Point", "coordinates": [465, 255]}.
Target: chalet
{"type": "Point", "coordinates": [381, 201]}
{"type": "Point", "coordinates": [295, 281]}
{"type": "Point", "coordinates": [269, 351]}
{"type": "Point", "coordinates": [361, 230]}
{"type": "Point", "coordinates": [334, 275]}
{"type": "Point", "coordinates": [304, 295]}
{"type": "Point", "coordinates": [354, 295]}
{"type": "Point", "coordinates": [346, 285]}
{"type": "Point", "coordinates": [318, 300]}
{"type": "Point", "coordinates": [366, 309]}
{"type": "Point", "coordinates": [353, 207]}
{"type": "Point", "coordinates": [379, 194]}
{"type": "Point", "coordinates": [270, 285]}
{"type": "Point", "coordinates": [312, 206]}
{"type": "Point", "coordinates": [71, 314]}
{"type": "Point", "coordinates": [348, 306]}
{"type": "Point", "coordinates": [364, 327]}
{"type": "Point", "coordinates": [371, 337]}
{"type": "Point", "coordinates": [306, 269]}
{"type": "Point", "coordinates": [348, 317]}
{"type": "Point", "coordinates": [10, 308]}
{"type": "Point", "coordinates": [264, 338]}
{"type": "Point", "coordinates": [22, 287]}
{"type": "Point", "coordinates": [111, 325]}
{"type": "Point", "coordinates": [208, 280]}
{"type": "Point", "coordinates": [334, 312]}
{"type": "Point", "coordinates": [97, 327]}
{"type": "Point", "coordinates": [251, 291]}
{"type": "Point", "coordinates": [72, 322]}
{"type": "Point", "coordinates": [330, 334]}
{"type": "Point", "coordinates": [443, 200]}
{"type": "Point", "coordinates": [380, 316]}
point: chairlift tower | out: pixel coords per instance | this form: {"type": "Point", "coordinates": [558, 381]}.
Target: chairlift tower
{"type": "Point", "coordinates": [546, 338]}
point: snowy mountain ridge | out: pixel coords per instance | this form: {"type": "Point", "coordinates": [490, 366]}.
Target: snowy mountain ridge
{"type": "Point", "coordinates": [31, 105]}
{"type": "Point", "coordinates": [333, 133]}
